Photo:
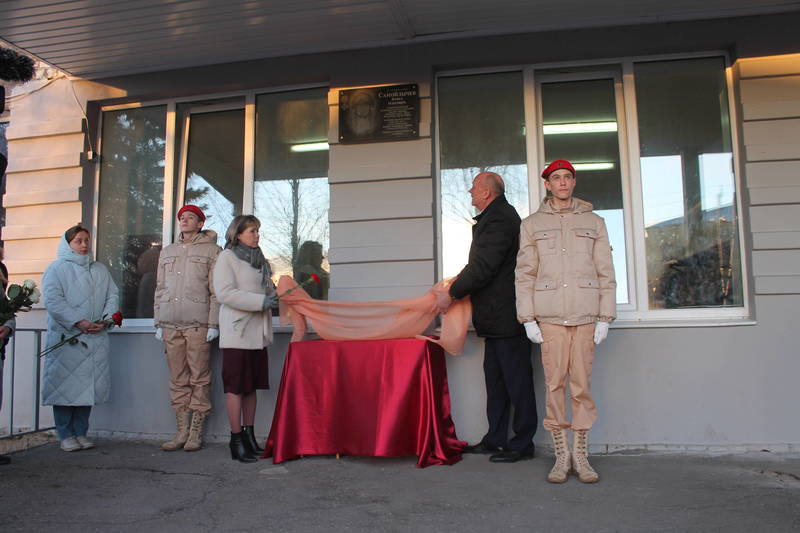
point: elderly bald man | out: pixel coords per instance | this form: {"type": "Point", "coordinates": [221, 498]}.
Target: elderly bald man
{"type": "Point", "coordinates": [488, 279]}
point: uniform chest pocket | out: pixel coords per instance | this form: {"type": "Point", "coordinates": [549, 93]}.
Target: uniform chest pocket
{"type": "Point", "coordinates": [168, 263]}
{"type": "Point", "coordinates": [585, 239]}
{"type": "Point", "coordinates": [197, 266]}
{"type": "Point", "coordinates": [546, 241]}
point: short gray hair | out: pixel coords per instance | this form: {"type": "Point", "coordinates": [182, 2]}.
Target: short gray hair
{"type": "Point", "coordinates": [493, 182]}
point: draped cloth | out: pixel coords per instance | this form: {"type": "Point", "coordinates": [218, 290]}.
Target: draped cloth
{"type": "Point", "coordinates": [391, 319]}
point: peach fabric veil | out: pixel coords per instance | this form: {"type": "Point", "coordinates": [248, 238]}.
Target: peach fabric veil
{"type": "Point", "coordinates": [392, 319]}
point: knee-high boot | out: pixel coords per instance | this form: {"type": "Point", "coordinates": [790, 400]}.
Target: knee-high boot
{"type": "Point", "coordinates": [560, 471]}
{"type": "Point", "coordinates": [580, 457]}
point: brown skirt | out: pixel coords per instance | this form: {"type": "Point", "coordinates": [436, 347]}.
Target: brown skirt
{"type": "Point", "coordinates": [244, 371]}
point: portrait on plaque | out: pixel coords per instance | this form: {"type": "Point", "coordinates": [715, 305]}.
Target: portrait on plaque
{"type": "Point", "coordinates": [373, 114]}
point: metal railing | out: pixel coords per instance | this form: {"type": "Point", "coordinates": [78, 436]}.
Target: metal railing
{"type": "Point", "coordinates": [11, 369]}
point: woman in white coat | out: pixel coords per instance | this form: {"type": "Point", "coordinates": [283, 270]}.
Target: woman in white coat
{"type": "Point", "coordinates": [245, 292]}
{"type": "Point", "coordinates": [78, 294]}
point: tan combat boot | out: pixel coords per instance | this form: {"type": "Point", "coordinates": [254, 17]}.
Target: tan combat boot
{"type": "Point", "coordinates": [195, 441]}
{"type": "Point", "coordinates": [177, 442]}
{"type": "Point", "coordinates": [580, 458]}
{"type": "Point", "coordinates": [560, 471]}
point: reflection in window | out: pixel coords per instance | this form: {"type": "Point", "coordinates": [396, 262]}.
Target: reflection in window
{"type": "Point", "coordinates": [131, 199]}
{"type": "Point", "coordinates": [215, 167]}
{"type": "Point", "coordinates": [662, 188]}
{"type": "Point", "coordinates": [580, 125]}
{"type": "Point", "coordinates": [481, 122]}
{"type": "Point", "coordinates": [688, 190]}
{"type": "Point", "coordinates": [291, 191]}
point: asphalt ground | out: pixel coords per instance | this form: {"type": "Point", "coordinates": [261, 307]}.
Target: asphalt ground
{"type": "Point", "coordinates": [132, 486]}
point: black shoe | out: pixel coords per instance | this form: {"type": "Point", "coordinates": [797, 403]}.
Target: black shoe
{"type": "Point", "coordinates": [4, 459]}
{"type": "Point", "coordinates": [510, 456]}
{"type": "Point", "coordinates": [240, 452]}
{"type": "Point", "coordinates": [249, 438]}
{"type": "Point", "coordinates": [481, 447]}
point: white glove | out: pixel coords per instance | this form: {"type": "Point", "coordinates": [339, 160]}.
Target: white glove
{"type": "Point", "coordinates": [160, 333]}
{"type": "Point", "coordinates": [213, 333]}
{"type": "Point", "coordinates": [533, 332]}
{"type": "Point", "coordinates": [600, 332]}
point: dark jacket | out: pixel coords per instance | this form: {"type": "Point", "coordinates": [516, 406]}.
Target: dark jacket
{"type": "Point", "coordinates": [489, 275]}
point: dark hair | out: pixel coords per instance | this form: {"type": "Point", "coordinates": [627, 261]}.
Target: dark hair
{"type": "Point", "coordinates": [309, 253]}
{"type": "Point", "coordinates": [238, 225]}
{"type": "Point", "coordinates": [74, 230]}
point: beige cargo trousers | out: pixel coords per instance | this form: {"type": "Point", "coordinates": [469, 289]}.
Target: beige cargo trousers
{"type": "Point", "coordinates": [567, 357]}
{"type": "Point", "coordinates": [188, 357]}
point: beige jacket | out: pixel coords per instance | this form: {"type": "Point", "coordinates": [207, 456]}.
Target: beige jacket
{"type": "Point", "coordinates": [564, 273]}
{"type": "Point", "coordinates": [184, 295]}
{"type": "Point", "coordinates": [243, 322]}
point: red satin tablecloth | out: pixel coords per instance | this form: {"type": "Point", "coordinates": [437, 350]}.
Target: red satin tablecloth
{"type": "Point", "coordinates": [385, 398]}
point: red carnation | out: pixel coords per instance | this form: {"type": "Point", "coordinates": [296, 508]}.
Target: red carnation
{"type": "Point", "coordinates": [117, 318]}
{"type": "Point", "coordinates": [316, 278]}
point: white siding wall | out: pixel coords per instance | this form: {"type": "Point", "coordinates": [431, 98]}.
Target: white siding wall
{"type": "Point", "coordinates": [46, 143]}
{"type": "Point", "coordinates": [770, 102]}
{"type": "Point", "coordinates": [381, 212]}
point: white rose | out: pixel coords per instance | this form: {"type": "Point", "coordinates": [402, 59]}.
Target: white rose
{"type": "Point", "coordinates": [35, 296]}
{"type": "Point", "coordinates": [29, 284]}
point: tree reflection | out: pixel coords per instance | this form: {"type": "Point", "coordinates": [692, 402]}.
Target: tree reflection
{"type": "Point", "coordinates": [291, 211]}
{"type": "Point", "coordinates": [458, 212]}
{"type": "Point", "coordinates": [131, 202]}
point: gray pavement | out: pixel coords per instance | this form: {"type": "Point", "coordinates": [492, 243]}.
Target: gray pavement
{"type": "Point", "coordinates": [124, 486]}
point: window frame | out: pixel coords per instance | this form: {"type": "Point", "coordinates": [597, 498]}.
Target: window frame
{"type": "Point", "coordinates": [636, 312]}
{"type": "Point", "coordinates": [171, 151]}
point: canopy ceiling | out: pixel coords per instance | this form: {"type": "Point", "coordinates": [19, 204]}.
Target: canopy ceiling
{"type": "Point", "coordinates": [100, 38]}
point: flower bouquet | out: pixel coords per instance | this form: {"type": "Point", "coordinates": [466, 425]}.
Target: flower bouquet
{"type": "Point", "coordinates": [18, 298]}
{"type": "Point", "coordinates": [108, 323]}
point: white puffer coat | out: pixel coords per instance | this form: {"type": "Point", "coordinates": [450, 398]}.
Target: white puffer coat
{"type": "Point", "coordinates": [76, 288]}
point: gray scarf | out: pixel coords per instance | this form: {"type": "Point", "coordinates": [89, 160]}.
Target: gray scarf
{"type": "Point", "coordinates": [255, 258]}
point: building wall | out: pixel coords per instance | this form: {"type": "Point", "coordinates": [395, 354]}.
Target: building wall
{"type": "Point", "coordinates": [46, 146]}
{"type": "Point", "coordinates": [381, 211]}
{"type": "Point", "coordinates": [770, 102]}
{"type": "Point", "coordinates": [675, 388]}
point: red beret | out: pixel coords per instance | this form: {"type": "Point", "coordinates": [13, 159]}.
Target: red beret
{"type": "Point", "coordinates": [194, 209]}
{"type": "Point", "coordinates": [556, 165]}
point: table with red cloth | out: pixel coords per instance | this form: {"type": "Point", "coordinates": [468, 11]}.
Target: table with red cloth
{"type": "Point", "coordinates": [383, 398]}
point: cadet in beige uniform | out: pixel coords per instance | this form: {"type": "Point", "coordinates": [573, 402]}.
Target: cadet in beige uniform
{"type": "Point", "coordinates": [566, 298]}
{"type": "Point", "coordinates": [186, 316]}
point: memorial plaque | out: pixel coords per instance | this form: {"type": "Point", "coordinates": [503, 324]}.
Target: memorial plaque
{"type": "Point", "coordinates": [375, 114]}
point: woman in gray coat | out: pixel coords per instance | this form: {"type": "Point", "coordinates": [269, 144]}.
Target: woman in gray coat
{"type": "Point", "coordinates": [78, 294]}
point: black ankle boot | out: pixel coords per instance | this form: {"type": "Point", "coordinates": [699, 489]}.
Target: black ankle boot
{"type": "Point", "coordinates": [249, 438]}
{"type": "Point", "coordinates": [239, 451]}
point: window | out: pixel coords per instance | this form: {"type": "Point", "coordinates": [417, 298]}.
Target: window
{"type": "Point", "coordinates": [482, 127]}
{"type": "Point", "coordinates": [690, 212]}
{"type": "Point", "coordinates": [658, 168]}
{"type": "Point", "coordinates": [213, 163]}
{"type": "Point", "coordinates": [281, 178]}
{"type": "Point", "coordinates": [131, 203]}
{"type": "Point", "coordinates": [291, 184]}
{"type": "Point", "coordinates": [580, 124]}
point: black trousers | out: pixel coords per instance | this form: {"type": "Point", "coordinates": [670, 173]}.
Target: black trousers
{"type": "Point", "coordinates": [509, 382]}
